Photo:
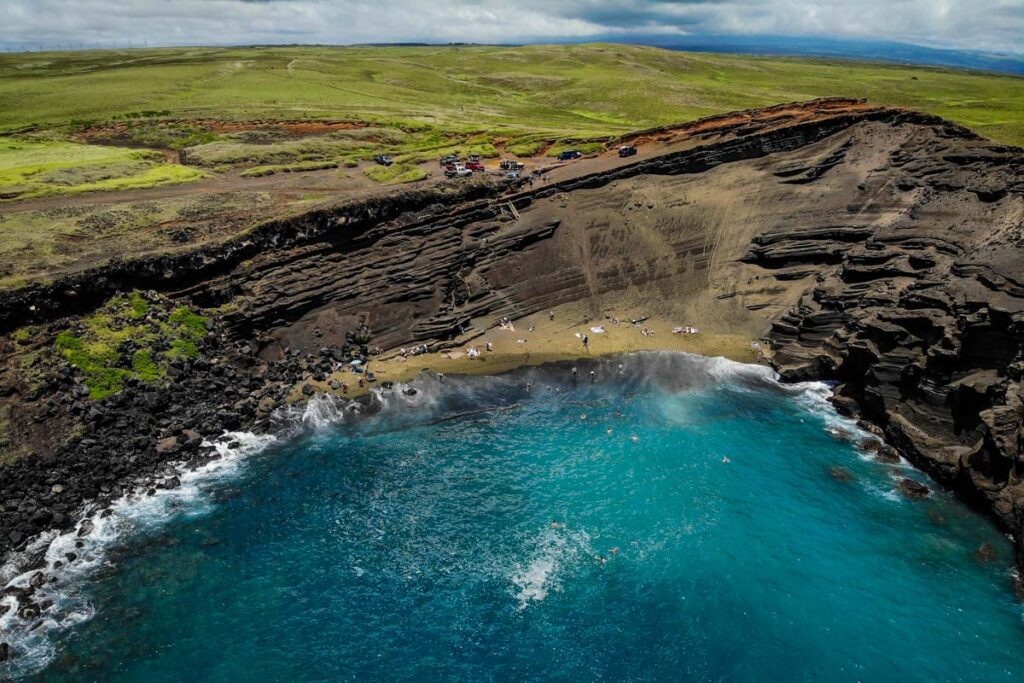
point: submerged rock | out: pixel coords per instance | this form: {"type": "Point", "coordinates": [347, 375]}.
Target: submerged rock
{"type": "Point", "coordinates": [840, 473]}
{"type": "Point", "coordinates": [986, 553]}
{"type": "Point", "coordinates": [914, 490]}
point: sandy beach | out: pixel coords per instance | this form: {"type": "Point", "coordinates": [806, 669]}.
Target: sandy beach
{"type": "Point", "coordinates": [539, 339]}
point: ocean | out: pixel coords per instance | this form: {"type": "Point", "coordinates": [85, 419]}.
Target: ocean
{"type": "Point", "coordinates": [676, 518]}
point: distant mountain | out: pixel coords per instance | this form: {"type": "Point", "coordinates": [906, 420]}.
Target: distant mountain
{"type": "Point", "coordinates": [875, 50]}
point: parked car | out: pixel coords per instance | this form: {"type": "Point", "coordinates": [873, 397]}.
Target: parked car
{"type": "Point", "coordinates": [570, 154]}
{"type": "Point", "coordinates": [457, 171]}
{"type": "Point", "coordinates": [449, 159]}
{"type": "Point", "coordinates": [627, 150]}
{"type": "Point", "coordinates": [474, 165]}
{"type": "Point", "coordinates": [513, 175]}
{"type": "Point", "coordinates": [510, 165]}
{"type": "Point", "coordinates": [383, 160]}
{"type": "Point", "coordinates": [474, 159]}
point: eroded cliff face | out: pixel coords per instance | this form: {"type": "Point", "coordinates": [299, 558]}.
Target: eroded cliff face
{"type": "Point", "coordinates": [668, 232]}
{"type": "Point", "coordinates": [917, 306]}
{"type": "Point", "coordinates": [880, 248]}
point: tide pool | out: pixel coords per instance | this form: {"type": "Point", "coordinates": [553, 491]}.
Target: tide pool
{"type": "Point", "coordinates": [681, 518]}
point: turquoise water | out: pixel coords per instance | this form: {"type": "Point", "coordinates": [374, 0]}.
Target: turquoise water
{"type": "Point", "coordinates": [479, 532]}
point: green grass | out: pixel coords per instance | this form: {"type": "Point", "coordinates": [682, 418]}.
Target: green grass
{"type": "Point", "coordinates": [395, 174]}
{"type": "Point", "coordinates": [35, 168]}
{"type": "Point", "coordinates": [582, 147]}
{"type": "Point", "coordinates": [559, 91]}
{"type": "Point", "coordinates": [39, 242]}
{"type": "Point", "coordinates": [99, 347]}
{"type": "Point", "coordinates": [261, 171]}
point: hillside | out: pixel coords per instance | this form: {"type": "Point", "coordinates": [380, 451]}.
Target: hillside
{"type": "Point", "coordinates": [566, 90]}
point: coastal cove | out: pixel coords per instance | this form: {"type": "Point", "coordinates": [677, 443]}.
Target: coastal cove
{"type": "Point", "coordinates": [735, 398]}
{"type": "Point", "coordinates": [679, 514]}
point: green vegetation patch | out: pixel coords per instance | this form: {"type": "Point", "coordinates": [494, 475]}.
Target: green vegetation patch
{"type": "Point", "coordinates": [583, 147]}
{"type": "Point", "coordinates": [527, 146]}
{"type": "Point", "coordinates": [261, 171]}
{"type": "Point", "coordinates": [396, 174]}
{"type": "Point", "coordinates": [130, 337]}
{"type": "Point", "coordinates": [36, 168]}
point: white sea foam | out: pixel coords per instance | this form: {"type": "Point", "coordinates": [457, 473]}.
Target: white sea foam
{"type": "Point", "coordinates": [99, 531]}
{"type": "Point", "coordinates": [553, 553]}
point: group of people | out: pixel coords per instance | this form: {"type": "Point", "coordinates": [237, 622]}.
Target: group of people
{"type": "Point", "coordinates": [686, 329]}
{"type": "Point", "coordinates": [414, 351]}
{"type": "Point", "coordinates": [506, 324]}
{"type": "Point", "coordinates": [474, 352]}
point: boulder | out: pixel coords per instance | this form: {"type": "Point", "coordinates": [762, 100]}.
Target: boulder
{"type": "Point", "coordinates": [914, 490]}
{"type": "Point", "coordinates": [167, 445]}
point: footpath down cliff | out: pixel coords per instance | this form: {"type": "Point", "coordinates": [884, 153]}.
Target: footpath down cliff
{"type": "Point", "coordinates": [877, 247]}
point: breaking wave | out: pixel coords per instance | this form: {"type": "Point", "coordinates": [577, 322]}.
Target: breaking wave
{"type": "Point", "coordinates": [50, 595]}
{"type": "Point", "coordinates": [556, 550]}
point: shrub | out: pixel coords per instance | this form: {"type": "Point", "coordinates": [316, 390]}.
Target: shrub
{"type": "Point", "coordinates": [98, 349]}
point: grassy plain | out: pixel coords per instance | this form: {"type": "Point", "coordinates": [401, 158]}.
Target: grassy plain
{"type": "Point", "coordinates": [36, 168]}
{"type": "Point", "coordinates": [583, 91]}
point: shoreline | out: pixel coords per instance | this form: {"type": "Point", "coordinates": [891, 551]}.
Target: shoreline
{"type": "Point", "coordinates": [534, 340]}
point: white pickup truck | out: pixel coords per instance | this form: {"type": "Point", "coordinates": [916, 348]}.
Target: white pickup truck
{"type": "Point", "coordinates": [457, 171]}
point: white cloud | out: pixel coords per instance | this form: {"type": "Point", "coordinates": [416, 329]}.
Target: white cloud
{"type": "Point", "coordinates": [988, 25]}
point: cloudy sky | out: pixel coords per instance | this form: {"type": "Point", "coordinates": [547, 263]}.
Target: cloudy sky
{"type": "Point", "coordinates": [988, 25]}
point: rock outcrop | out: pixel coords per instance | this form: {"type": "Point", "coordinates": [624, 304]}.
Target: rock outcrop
{"type": "Point", "coordinates": [918, 309]}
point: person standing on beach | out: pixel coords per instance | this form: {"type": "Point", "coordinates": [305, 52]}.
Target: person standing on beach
{"type": "Point", "coordinates": [586, 343]}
